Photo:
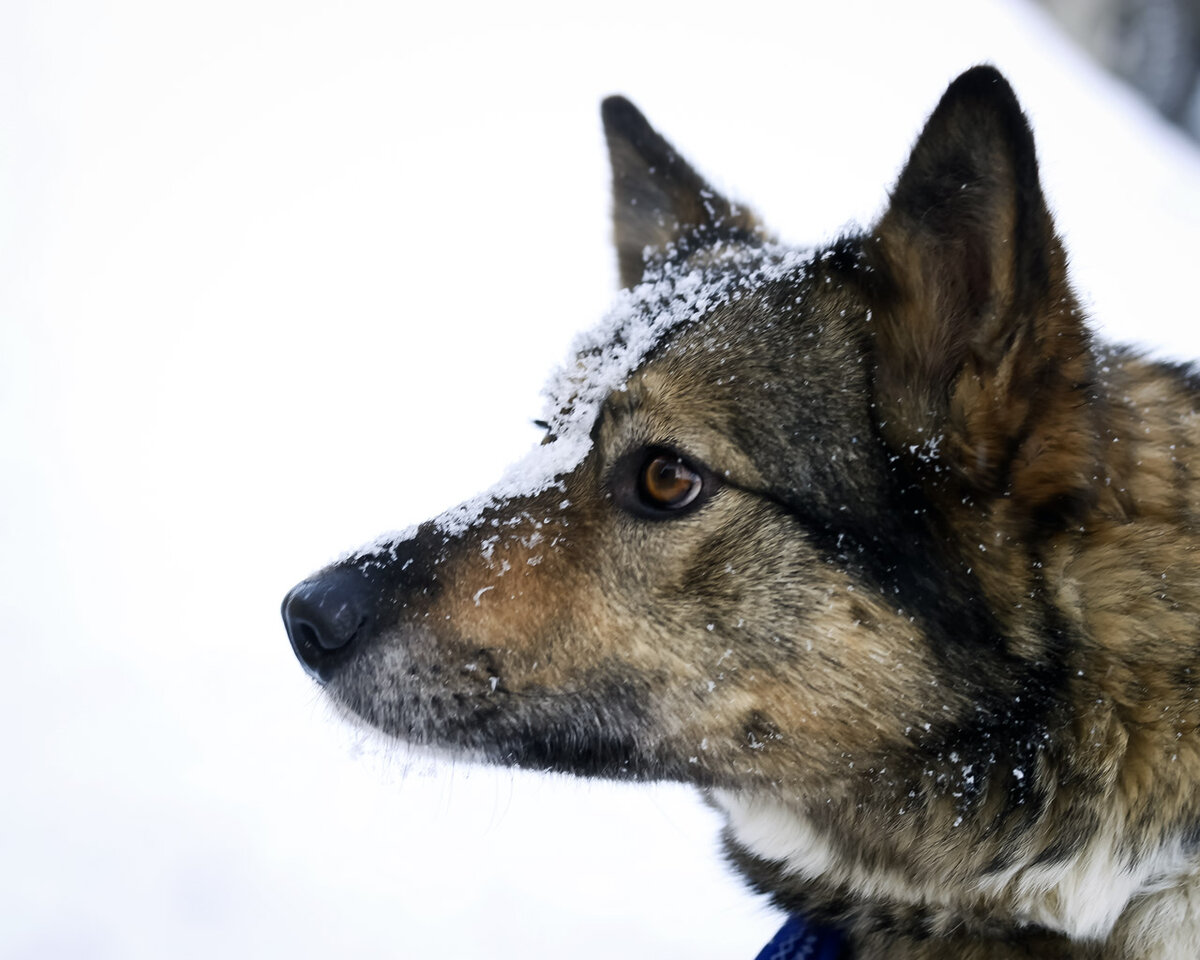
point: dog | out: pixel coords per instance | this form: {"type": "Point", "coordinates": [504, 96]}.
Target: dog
{"type": "Point", "coordinates": [873, 544]}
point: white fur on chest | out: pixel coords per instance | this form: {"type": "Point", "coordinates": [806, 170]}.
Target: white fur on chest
{"type": "Point", "coordinates": [1085, 897]}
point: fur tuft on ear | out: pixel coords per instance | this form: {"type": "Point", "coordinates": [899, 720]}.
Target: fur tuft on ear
{"type": "Point", "coordinates": [658, 199]}
{"type": "Point", "coordinates": [981, 349]}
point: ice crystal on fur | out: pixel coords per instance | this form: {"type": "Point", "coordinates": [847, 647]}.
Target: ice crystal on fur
{"type": "Point", "coordinates": [674, 293]}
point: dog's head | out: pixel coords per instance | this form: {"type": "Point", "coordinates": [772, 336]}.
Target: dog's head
{"type": "Point", "coordinates": [782, 534]}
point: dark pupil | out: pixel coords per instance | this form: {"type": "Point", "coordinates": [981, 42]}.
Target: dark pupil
{"type": "Point", "coordinates": [668, 481]}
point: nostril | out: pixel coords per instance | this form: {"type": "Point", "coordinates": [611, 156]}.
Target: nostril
{"type": "Point", "coordinates": [324, 617]}
{"type": "Point", "coordinates": [306, 635]}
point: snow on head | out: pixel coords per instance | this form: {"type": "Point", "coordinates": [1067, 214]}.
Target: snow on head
{"type": "Point", "coordinates": [672, 294]}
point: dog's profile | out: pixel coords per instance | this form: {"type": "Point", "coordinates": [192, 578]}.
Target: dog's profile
{"type": "Point", "coordinates": [871, 543]}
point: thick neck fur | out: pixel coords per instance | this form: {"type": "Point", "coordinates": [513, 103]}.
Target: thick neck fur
{"type": "Point", "coordinates": [1081, 842]}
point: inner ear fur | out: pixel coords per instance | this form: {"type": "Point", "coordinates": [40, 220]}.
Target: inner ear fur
{"type": "Point", "coordinates": [659, 201]}
{"type": "Point", "coordinates": [981, 350]}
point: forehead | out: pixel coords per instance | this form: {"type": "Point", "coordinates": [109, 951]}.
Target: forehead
{"type": "Point", "coordinates": [664, 313]}
{"type": "Point", "coordinates": [760, 385]}
{"type": "Point", "coordinates": [792, 341]}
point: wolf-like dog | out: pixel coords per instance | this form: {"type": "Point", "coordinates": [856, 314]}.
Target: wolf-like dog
{"type": "Point", "coordinates": [872, 543]}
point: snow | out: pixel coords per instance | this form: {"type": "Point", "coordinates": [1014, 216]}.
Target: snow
{"type": "Point", "coordinates": [279, 276]}
{"type": "Point", "coordinates": [598, 363]}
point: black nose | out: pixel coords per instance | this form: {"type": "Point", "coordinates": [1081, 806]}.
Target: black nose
{"type": "Point", "coordinates": [325, 616]}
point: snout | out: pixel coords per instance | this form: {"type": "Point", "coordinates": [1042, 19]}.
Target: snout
{"type": "Point", "coordinates": [326, 616]}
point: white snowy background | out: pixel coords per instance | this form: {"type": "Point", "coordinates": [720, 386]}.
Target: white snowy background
{"type": "Point", "coordinates": [275, 277]}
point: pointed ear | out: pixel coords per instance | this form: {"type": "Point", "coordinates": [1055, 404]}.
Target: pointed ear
{"type": "Point", "coordinates": [658, 199]}
{"type": "Point", "coordinates": [980, 347]}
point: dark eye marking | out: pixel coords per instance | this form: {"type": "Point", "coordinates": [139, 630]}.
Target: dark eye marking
{"type": "Point", "coordinates": [658, 483]}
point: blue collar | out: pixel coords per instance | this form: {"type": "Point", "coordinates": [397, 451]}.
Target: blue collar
{"type": "Point", "coordinates": [801, 939]}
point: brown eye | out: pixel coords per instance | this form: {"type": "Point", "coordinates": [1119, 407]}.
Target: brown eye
{"type": "Point", "coordinates": [658, 483]}
{"type": "Point", "coordinates": [668, 483]}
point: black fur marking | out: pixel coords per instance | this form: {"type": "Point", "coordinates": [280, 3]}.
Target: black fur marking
{"type": "Point", "coordinates": [658, 199]}
{"type": "Point", "coordinates": [897, 552]}
{"type": "Point", "coordinates": [950, 183]}
{"type": "Point", "coordinates": [590, 734]}
{"type": "Point", "coordinates": [759, 730]}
